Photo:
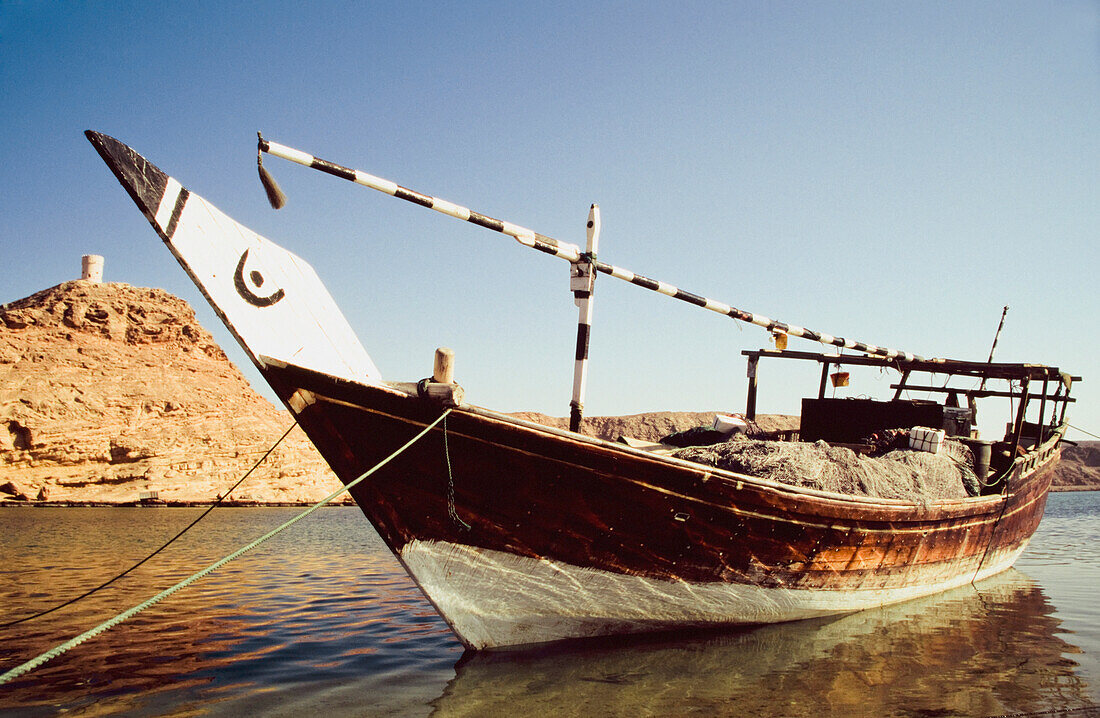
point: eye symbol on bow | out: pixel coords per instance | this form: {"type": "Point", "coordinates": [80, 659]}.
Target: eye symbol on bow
{"type": "Point", "coordinates": [257, 281]}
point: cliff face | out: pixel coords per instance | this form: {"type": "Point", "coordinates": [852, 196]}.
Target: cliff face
{"type": "Point", "coordinates": [107, 390]}
{"type": "Point", "coordinates": [1080, 467]}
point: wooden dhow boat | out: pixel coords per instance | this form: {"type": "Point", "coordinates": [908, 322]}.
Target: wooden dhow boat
{"type": "Point", "coordinates": [520, 533]}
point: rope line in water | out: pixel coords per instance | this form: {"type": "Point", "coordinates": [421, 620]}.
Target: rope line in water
{"type": "Point", "coordinates": [129, 613]}
{"type": "Point", "coordinates": [168, 543]}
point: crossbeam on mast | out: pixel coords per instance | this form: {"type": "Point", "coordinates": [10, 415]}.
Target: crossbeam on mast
{"type": "Point", "coordinates": [572, 253]}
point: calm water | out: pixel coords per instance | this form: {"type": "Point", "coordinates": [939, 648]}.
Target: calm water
{"type": "Point", "coordinates": [323, 619]}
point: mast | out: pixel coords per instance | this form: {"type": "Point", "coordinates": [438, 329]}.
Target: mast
{"type": "Point", "coordinates": [994, 347]}
{"type": "Point", "coordinates": [582, 280]}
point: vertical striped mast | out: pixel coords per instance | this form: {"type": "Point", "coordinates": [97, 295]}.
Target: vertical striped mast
{"type": "Point", "coordinates": [572, 253]}
{"type": "Point", "coordinates": [582, 280]}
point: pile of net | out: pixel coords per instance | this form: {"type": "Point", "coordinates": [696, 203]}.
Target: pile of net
{"type": "Point", "coordinates": [899, 474]}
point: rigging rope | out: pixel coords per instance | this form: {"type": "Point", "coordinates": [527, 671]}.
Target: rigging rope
{"type": "Point", "coordinates": [451, 482]}
{"type": "Point", "coordinates": [993, 533]}
{"type": "Point", "coordinates": [1077, 428]}
{"type": "Point", "coordinates": [168, 543]}
{"type": "Point", "coordinates": [129, 613]}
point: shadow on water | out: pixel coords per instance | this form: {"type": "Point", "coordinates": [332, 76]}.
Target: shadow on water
{"type": "Point", "coordinates": [971, 652]}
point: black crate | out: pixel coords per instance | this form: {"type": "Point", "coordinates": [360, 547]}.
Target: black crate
{"type": "Point", "coordinates": [851, 420]}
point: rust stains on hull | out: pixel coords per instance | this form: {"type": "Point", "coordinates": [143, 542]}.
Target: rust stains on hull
{"type": "Point", "coordinates": [534, 493]}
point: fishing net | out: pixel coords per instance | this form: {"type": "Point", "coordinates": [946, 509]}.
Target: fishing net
{"type": "Point", "coordinates": [899, 474]}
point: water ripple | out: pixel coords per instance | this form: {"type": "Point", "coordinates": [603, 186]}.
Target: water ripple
{"type": "Point", "coordinates": [327, 621]}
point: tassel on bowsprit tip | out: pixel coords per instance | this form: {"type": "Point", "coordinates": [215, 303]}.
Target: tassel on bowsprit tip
{"type": "Point", "coordinates": [275, 195]}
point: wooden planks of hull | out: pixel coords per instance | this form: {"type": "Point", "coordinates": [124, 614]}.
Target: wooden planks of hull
{"type": "Point", "coordinates": [507, 506]}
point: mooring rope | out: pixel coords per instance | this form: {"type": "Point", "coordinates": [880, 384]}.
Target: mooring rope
{"type": "Point", "coordinates": [166, 544]}
{"type": "Point", "coordinates": [451, 483]}
{"type": "Point", "coordinates": [129, 613]}
{"type": "Point", "coordinates": [993, 532]}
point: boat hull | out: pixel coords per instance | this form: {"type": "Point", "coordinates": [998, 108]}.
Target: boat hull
{"type": "Point", "coordinates": [494, 599]}
{"type": "Point", "coordinates": [523, 534]}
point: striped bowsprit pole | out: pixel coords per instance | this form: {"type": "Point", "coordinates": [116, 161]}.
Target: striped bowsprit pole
{"type": "Point", "coordinates": [572, 253]}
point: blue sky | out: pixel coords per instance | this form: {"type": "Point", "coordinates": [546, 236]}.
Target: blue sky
{"type": "Point", "coordinates": [890, 172]}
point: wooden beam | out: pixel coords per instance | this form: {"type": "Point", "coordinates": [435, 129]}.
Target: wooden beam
{"type": "Point", "coordinates": [979, 394]}
{"type": "Point", "coordinates": [901, 386]}
{"type": "Point", "coordinates": [824, 380]}
{"type": "Point", "coordinates": [930, 366]}
{"type": "Point", "coordinates": [750, 401]}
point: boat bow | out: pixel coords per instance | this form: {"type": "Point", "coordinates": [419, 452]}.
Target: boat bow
{"type": "Point", "coordinates": [270, 298]}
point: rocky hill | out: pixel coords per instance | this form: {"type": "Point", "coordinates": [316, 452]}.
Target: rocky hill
{"type": "Point", "coordinates": [1080, 467]}
{"type": "Point", "coordinates": [108, 390]}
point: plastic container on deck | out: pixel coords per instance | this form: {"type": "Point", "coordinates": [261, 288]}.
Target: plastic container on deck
{"type": "Point", "coordinates": [921, 438]}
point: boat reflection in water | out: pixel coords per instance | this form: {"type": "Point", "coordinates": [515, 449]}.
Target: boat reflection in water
{"type": "Point", "coordinates": [988, 650]}
{"type": "Point", "coordinates": [328, 620]}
